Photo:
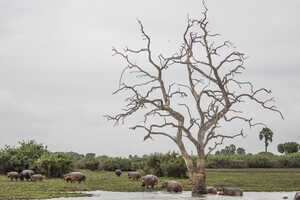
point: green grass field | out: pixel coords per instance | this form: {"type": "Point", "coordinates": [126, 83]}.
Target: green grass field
{"type": "Point", "coordinates": [247, 179]}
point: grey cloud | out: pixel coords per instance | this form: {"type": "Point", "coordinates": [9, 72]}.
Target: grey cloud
{"type": "Point", "coordinates": [57, 73]}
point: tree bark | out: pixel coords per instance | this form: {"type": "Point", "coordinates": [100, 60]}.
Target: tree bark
{"type": "Point", "coordinates": [196, 175]}
{"type": "Point", "coordinates": [199, 184]}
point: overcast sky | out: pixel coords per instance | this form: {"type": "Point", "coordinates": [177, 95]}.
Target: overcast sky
{"type": "Point", "coordinates": [57, 73]}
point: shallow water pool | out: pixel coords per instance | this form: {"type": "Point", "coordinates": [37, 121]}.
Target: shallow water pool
{"type": "Point", "coordinates": [103, 195]}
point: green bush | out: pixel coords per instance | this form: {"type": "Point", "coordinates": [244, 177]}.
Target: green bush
{"type": "Point", "coordinates": [174, 168]}
{"type": "Point", "coordinates": [54, 164]}
{"type": "Point", "coordinates": [226, 161]}
{"type": "Point", "coordinates": [21, 157]}
{"type": "Point", "coordinates": [111, 164]}
{"type": "Point", "coordinates": [88, 162]}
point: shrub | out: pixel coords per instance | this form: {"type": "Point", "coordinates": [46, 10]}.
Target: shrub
{"type": "Point", "coordinates": [261, 161]}
{"type": "Point", "coordinates": [21, 157]}
{"type": "Point", "coordinates": [111, 164]}
{"type": "Point", "coordinates": [54, 164]}
{"type": "Point", "coordinates": [174, 168]}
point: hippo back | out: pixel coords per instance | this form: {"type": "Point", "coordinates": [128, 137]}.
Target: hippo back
{"type": "Point", "coordinates": [134, 175]}
{"type": "Point", "coordinates": [27, 173]}
{"type": "Point", "coordinates": [172, 186]}
{"type": "Point", "coordinates": [76, 176]}
{"type": "Point", "coordinates": [36, 177]}
{"type": "Point", "coordinates": [13, 175]}
{"type": "Point", "coordinates": [233, 191]}
{"type": "Point", "coordinates": [149, 180]}
{"type": "Point", "coordinates": [118, 172]}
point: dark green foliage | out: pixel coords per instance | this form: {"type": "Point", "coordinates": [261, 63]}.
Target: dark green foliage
{"type": "Point", "coordinates": [169, 164]}
{"type": "Point", "coordinates": [111, 164]}
{"type": "Point", "coordinates": [280, 148]}
{"type": "Point", "coordinates": [54, 164]}
{"type": "Point", "coordinates": [74, 156]}
{"type": "Point", "coordinates": [21, 157]}
{"type": "Point", "coordinates": [288, 147]}
{"type": "Point", "coordinates": [226, 161]}
{"type": "Point", "coordinates": [90, 156]}
{"type": "Point", "coordinates": [261, 160]}
{"type": "Point", "coordinates": [153, 163]}
{"type": "Point", "coordinates": [88, 162]}
{"type": "Point", "coordinates": [241, 151]}
{"type": "Point", "coordinates": [231, 150]}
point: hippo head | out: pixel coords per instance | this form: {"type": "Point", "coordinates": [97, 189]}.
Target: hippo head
{"type": "Point", "coordinates": [164, 184]}
{"type": "Point", "coordinates": [143, 182]}
{"type": "Point", "coordinates": [67, 177]}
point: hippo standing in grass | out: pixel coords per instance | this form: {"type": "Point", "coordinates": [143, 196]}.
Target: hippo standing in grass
{"type": "Point", "coordinates": [74, 176]}
{"type": "Point", "coordinates": [172, 186]}
{"type": "Point", "coordinates": [149, 180]}
{"type": "Point", "coordinates": [118, 172]}
{"type": "Point", "coordinates": [134, 175]}
{"type": "Point", "coordinates": [13, 175]}
{"type": "Point", "coordinates": [231, 191]}
{"type": "Point", "coordinates": [26, 174]}
{"type": "Point", "coordinates": [36, 177]}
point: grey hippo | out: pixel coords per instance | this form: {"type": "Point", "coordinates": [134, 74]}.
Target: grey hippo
{"type": "Point", "coordinates": [172, 186]}
{"type": "Point", "coordinates": [13, 175]}
{"type": "Point", "coordinates": [27, 173]}
{"type": "Point", "coordinates": [75, 176]}
{"type": "Point", "coordinates": [134, 175]}
{"type": "Point", "coordinates": [231, 191]}
{"type": "Point", "coordinates": [36, 177]}
{"type": "Point", "coordinates": [149, 180]}
{"type": "Point", "coordinates": [118, 172]}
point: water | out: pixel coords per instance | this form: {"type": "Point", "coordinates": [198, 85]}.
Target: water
{"type": "Point", "coordinates": [103, 195]}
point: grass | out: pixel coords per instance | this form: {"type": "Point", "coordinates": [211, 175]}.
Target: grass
{"type": "Point", "coordinates": [247, 179]}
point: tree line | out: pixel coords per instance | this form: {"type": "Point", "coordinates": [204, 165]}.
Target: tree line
{"type": "Point", "coordinates": [32, 155]}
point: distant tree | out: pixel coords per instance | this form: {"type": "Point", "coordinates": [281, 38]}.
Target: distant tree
{"type": "Point", "coordinates": [291, 147]}
{"type": "Point", "coordinates": [280, 148]}
{"type": "Point", "coordinates": [22, 156]}
{"type": "Point", "coordinates": [267, 135]}
{"type": "Point", "coordinates": [228, 150]}
{"type": "Point", "coordinates": [288, 147]}
{"type": "Point", "coordinates": [241, 151]}
{"type": "Point", "coordinates": [90, 156]}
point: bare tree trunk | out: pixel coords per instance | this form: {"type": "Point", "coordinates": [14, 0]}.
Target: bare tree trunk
{"type": "Point", "coordinates": [196, 174]}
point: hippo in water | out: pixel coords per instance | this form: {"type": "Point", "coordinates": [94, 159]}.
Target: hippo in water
{"type": "Point", "coordinates": [149, 180]}
{"type": "Point", "coordinates": [134, 175]}
{"type": "Point", "coordinates": [172, 186]}
{"type": "Point", "coordinates": [211, 190]}
{"type": "Point", "coordinates": [26, 174]}
{"type": "Point", "coordinates": [231, 191]}
{"type": "Point", "coordinates": [118, 172]}
{"type": "Point", "coordinates": [36, 177]}
{"type": "Point", "coordinates": [13, 175]}
{"type": "Point", "coordinates": [74, 176]}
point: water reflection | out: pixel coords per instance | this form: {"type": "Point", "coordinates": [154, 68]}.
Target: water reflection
{"type": "Point", "coordinates": [103, 195]}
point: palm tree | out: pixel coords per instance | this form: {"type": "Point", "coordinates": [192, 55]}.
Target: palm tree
{"type": "Point", "coordinates": [267, 135]}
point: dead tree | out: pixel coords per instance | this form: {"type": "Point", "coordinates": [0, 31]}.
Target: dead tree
{"type": "Point", "coordinates": [193, 109]}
